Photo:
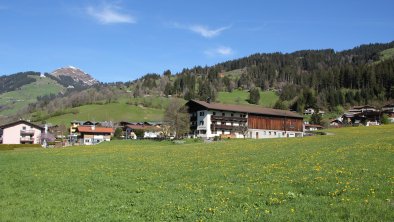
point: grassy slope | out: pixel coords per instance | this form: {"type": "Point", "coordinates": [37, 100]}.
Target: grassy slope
{"type": "Point", "coordinates": [28, 94]}
{"type": "Point", "coordinates": [267, 98]}
{"type": "Point", "coordinates": [110, 112]}
{"type": "Point", "coordinates": [387, 54]}
{"type": "Point", "coordinates": [129, 112]}
{"type": "Point", "coordinates": [348, 176]}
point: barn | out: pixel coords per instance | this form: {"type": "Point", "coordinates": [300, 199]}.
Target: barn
{"type": "Point", "coordinates": [209, 120]}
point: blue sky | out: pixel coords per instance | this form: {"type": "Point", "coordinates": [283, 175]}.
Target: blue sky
{"type": "Point", "coordinates": [123, 40]}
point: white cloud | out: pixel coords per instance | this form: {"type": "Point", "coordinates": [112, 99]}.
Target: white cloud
{"type": "Point", "coordinates": [220, 51]}
{"type": "Point", "coordinates": [206, 32]}
{"type": "Point", "coordinates": [108, 14]}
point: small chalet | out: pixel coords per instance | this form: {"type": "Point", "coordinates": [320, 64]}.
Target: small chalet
{"type": "Point", "coordinates": [21, 132]}
{"type": "Point", "coordinates": [150, 129]}
{"type": "Point", "coordinates": [389, 111]}
{"type": "Point", "coordinates": [309, 111]}
{"type": "Point", "coordinates": [361, 109]}
{"type": "Point", "coordinates": [91, 135]}
{"type": "Point", "coordinates": [313, 127]}
{"type": "Point", "coordinates": [336, 123]}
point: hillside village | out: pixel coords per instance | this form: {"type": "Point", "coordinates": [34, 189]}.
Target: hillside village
{"type": "Point", "coordinates": [206, 120]}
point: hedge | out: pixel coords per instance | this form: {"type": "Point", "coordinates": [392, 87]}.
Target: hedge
{"type": "Point", "coordinates": [13, 146]}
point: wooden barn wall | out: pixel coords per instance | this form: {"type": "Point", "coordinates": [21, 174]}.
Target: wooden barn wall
{"type": "Point", "coordinates": [274, 123]}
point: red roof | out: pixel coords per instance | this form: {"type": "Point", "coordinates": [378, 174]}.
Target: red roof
{"type": "Point", "coordinates": [95, 129]}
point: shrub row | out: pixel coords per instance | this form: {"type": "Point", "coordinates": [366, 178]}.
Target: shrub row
{"type": "Point", "coordinates": [13, 146]}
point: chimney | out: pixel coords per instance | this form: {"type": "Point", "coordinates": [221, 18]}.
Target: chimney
{"type": "Point", "coordinates": [209, 99]}
{"type": "Point", "coordinates": [93, 127]}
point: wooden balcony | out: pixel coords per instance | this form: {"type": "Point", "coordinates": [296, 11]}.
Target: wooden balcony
{"type": "Point", "coordinates": [27, 132]}
{"type": "Point", "coordinates": [222, 127]}
{"type": "Point", "coordinates": [229, 119]}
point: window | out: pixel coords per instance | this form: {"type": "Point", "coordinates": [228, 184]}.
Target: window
{"type": "Point", "coordinates": [283, 133]}
{"type": "Point", "coordinates": [201, 123]}
{"type": "Point", "coordinates": [223, 114]}
{"type": "Point", "coordinates": [202, 113]}
{"type": "Point", "coordinates": [275, 133]}
{"type": "Point", "coordinates": [232, 114]}
{"type": "Point", "coordinates": [24, 128]}
{"type": "Point", "coordinates": [269, 133]}
{"type": "Point", "coordinates": [214, 113]}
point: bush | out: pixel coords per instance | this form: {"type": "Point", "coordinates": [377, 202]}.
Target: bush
{"type": "Point", "coordinates": [385, 119]}
{"type": "Point", "coordinates": [14, 146]}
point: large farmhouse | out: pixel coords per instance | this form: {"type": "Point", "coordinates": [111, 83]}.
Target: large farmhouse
{"type": "Point", "coordinates": [214, 119]}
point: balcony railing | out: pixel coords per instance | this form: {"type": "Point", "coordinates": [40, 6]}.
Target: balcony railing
{"type": "Point", "coordinates": [23, 139]}
{"type": "Point", "coordinates": [222, 127]}
{"type": "Point", "coordinates": [228, 118]}
{"type": "Point", "coordinates": [27, 132]}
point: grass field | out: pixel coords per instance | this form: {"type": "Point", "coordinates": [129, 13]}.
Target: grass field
{"type": "Point", "coordinates": [267, 98]}
{"type": "Point", "coordinates": [345, 177]}
{"type": "Point", "coordinates": [18, 99]}
{"type": "Point", "coordinates": [387, 54]}
{"type": "Point", "coordinates": [110, 112]}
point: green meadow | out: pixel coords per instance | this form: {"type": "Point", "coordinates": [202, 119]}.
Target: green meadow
{"type": "Point", "coordinates": [345, 176]}
{"type": "Point", "coordinates": [267, 98]}
{"type": "Point", "coordinates": [110, 112]}
{"type": "Point", "coordinates": [19, 99]}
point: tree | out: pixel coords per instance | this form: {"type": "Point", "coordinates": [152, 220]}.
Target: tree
{"type": "Point", "coordinates": [385, 119]}
{"type": "Point", "coordinates": [316, 118]}
{"type": "Point", "coordinates": [254, 95]}
{"type": "Point", "coordinates": [118, 133]}
{"type": "Point", "coordinates": [280, 105]}
{"type": "Point", "coordinates": [242, 129]}
{"type": "Point", "coordinates": [177, 118]}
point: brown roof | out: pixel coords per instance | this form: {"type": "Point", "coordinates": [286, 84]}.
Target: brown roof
{"type": "Point", "coordinates": [143, 127]}
{"type": "Point", "coordinates": [247, 109]}
{"type": "Point", "coordinates": [97, 129]}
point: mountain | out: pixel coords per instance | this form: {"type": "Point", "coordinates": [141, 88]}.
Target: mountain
{"type": "Point", "coordinates": [72, 76]}
{"type": "Point", "coordinates": [19, 90]}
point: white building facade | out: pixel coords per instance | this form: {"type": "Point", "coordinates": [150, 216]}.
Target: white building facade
{"type": "Point", "coordinates": [209, 120]}
{"type": "Point", "coordinates": [21, 132]}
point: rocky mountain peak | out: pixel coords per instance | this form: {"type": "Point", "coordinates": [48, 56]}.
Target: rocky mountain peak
{"type": "Point", "coordinates": [76, 74]}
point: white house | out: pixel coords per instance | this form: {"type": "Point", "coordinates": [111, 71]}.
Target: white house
{"type": "Point", "coordinates": [21, 132]}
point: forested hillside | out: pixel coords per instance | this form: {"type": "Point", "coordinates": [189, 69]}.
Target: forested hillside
{"type": "Point", "coordinates": [317, 78]}
{"type": "Point", "coordinates": [323, 79]}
